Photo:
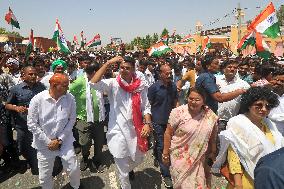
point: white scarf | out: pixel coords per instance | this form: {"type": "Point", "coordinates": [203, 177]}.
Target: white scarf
{"type": "Point", "coordinates": [89, 101]}
{"type": "Point", "coordinates": [248, 141]}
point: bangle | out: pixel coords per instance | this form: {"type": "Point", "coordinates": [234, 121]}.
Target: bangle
{"type": "Point", "coordinates": [165, 156]}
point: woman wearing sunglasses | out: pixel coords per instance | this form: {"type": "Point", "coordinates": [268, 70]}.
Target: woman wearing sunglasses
{"type": "Point", "coordinates": [248, 137]}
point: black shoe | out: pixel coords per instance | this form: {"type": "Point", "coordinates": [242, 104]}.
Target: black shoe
{"type": "Point", "coordinates": [167, 182]}
{"type": "Point", "coordinates": [83, 164]}
{"type": "Point", "coordinates": [22, 168]}
{"type": "Point", "coordinates": [77, 147]}
{"type": "Point", "coordinates": [131, 175]}
{"type": "Point", "coordinates": [68, 186]}
{"type": "Point", "coordinates": [98, 167]}
{"type": "Point", "coordinates": [77, 150]}
{"type": "Point", "coordinates": [156, 162]}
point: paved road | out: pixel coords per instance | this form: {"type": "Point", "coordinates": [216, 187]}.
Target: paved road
{"type": "Point", "coordinates": [147, 176]}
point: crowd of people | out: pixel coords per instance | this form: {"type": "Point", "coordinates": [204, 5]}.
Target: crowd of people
{"type": "Point", "coordinates": [201, 114]}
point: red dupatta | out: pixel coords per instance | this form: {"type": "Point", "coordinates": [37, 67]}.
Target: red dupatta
{"type": "Point", "coordinates": [136, 110]}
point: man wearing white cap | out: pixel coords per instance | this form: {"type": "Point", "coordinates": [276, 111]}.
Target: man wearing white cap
{"type": "Point", "coordinates": [13, 69]}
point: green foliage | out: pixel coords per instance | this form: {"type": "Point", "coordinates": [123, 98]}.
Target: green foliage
{"type": "Point", "coordinates": [165, 32]}
{"type": "Point", "coordinates": [280, 15]}
{"type": "Point", "coordinates": [147, 41]}
{"type": "Point", "coordinates": [155, 38]}
{"type": "Point", "coordinates": [4, 31]}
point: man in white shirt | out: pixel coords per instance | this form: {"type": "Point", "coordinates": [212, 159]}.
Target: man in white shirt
{"type": "Point", "coordinates": [51, 117]}
{"type": "Point", "coordinates": [149, 73]}
{"type": "Point", "coordinates": [149, 78]}
{"type": "Point", "coordinates": [277, 114]}
{"type": "Point", "coordinates": [227, 83]}
{"type": "Point", "coordinates": [127, 135]}
{"type": "Point", "coordinates": [13, 69]}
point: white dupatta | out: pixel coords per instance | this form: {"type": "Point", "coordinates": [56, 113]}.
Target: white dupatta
{"type": "Point", "coordinates": [248, 141]}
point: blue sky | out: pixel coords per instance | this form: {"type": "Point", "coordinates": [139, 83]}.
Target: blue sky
{"type": "Point", "coordinates": [123, 18]}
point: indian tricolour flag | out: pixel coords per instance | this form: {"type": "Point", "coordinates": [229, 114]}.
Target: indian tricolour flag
{"type": "Point", "coordinates": [75, 40]}
{"type": "Point", "coordinates": [266, 22]}
{"type": "Point", "coordinates": [82, 39]}
{"type": "Point", "coordinates": [248, 39]}
{"type": "Point", "coordinates": [187, 38]}
{"type": "Point", "coordinates": [59, 38]}
{"type": "Point", "coordinates": [165, 39]}
{"type": "Point", "coordinates": [206, 44]}
{"type": "Point", "coordinates": [159, 49]}
{"type": "Point", "coordinates": [95, 41]}
{"type": "Point", "coordinates": [30, 45]}
{"type": "Point", "coordinates": [261, 46]}
{"type": "Point", "coordinates": [11, 19]}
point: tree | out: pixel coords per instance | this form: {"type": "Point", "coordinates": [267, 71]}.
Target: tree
{"type": "Point", "coordinates": [4, 31]}
{"type": "Point", "coordinates": [280, 15]}
{"type": "Point", "coordinates": [148, 41]}
{"type": "Point", "coordinates": [155, 38]}
{"type": "Point", "coordinates": [129, 46]}
{"type": "Point", "coordinates": [164, 32]}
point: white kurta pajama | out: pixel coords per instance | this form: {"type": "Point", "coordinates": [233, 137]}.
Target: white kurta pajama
{"type": "Point", "coordinates": [121, 135]}
{"type": "Point", "coordinates": [277, 115]}
{"type": "Point", "coordinates": [50, 119]}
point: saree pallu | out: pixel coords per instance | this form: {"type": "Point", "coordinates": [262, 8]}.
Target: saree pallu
{"type": "Point", "coordinates": [189, 145]}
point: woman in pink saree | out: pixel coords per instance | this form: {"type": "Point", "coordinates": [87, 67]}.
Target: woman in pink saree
{"type": "Point", "coordinates": [190, 143]}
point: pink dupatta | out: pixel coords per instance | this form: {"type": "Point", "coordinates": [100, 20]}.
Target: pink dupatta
{"type": "Point", "coordinates": [189, 145]}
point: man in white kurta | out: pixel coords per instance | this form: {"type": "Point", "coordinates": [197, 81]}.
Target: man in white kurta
{"type": "Point", "coordinates": [277, 113]}
{"type": "Point", "coordinates": [121, 135]}
{"type": "Point", "coordinates": [51, 117]}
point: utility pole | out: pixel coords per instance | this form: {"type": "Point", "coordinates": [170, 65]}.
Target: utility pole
{"type": "Point", "coordinates": [239, 15]}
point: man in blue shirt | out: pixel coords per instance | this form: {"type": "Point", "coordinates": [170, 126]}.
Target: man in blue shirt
{"type": "Point", "coordinates": [18, 102]}
{"type": "Point", "coordinates": [268, 173]}
{"type": "Point", "coordinates": [207, 81]}
{"type": "Point", "coordinates": [163, 98]}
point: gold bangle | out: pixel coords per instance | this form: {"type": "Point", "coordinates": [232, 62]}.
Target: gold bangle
{"type": "Point", "coordinates": [165, 156]}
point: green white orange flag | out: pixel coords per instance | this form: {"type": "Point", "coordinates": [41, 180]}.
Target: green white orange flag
{"type": "Point", "coordinates": [30, 45]}
{"type": "Point", "coordinates": [159, 49]}
{"type": "Point", "coordinates": [187, 38]}
{"type": "Point", "coordinates": [206, 44]}
{"type": "Point", "coordinates": [59, 38]}
{"type": "Point", "coordinates": [198, 49]}
{"type": "Point", "coordinates": [165, 39]}
{"type": "Point", "coordinates": [248, 39]}
{"type": "Point", "coordinates": [261, 46]}
{"type": "Point", "coordinates": [82, 40]}
{"type": "Point", "coordinates": [266, 22]}
{"type": "Point", "coordinates": [11, 19]}
{"type": "Point", "coordinates": [95, 41]}
{"type": "Point", "coordinates": [75, 40]}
